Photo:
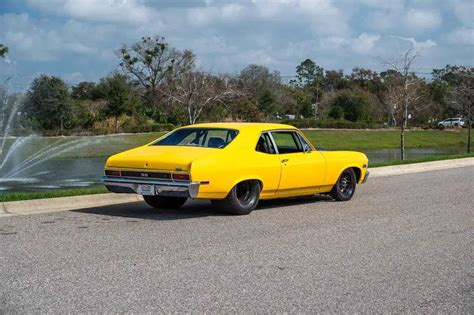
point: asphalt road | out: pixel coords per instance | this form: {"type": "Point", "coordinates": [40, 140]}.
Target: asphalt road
{"type": "Point", "coordinates": [403, 244]}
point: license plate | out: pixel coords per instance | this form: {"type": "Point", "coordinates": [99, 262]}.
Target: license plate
{"type": "Point", "coordinates": [147, 190]}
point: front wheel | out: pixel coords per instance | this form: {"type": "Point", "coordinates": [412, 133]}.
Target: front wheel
{"type": "Point", "coordinates": [164, 202]}
{"type": "Point", "coordinates": [242, 199]}
{"type": "Point", "coordinates": [345, 186]}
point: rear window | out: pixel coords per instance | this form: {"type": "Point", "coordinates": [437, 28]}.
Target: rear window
{"type": "Point", "coordinates": [199, 137]}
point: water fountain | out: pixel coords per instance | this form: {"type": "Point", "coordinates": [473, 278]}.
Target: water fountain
{"type": "Point", "coordinates": [26, 164]}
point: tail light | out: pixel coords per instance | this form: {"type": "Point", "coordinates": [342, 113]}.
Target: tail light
{"type": "Point", "coordinates": [180, 176]}
{"type": "Point", "coordinates": [112, 173]}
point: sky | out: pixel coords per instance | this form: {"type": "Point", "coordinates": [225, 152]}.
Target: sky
{"type": "Point", "coordinates": [77, 39]}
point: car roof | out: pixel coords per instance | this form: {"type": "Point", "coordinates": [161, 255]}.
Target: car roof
{"type": "Point", "coordinates": [242, 126]}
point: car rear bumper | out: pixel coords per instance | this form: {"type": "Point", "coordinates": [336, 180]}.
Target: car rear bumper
{"type": "Point", "coordinates": [157, 187]}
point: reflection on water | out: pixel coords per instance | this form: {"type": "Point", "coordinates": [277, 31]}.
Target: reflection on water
{"type": "Point", "coordinates": [86, 172]}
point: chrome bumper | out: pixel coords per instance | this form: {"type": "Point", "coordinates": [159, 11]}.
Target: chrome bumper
{"type": "Point", "coordinates": [158, 187]}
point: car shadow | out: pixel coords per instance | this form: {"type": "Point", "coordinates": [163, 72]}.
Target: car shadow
{"type": "Point", "coordinates": [191, 209]}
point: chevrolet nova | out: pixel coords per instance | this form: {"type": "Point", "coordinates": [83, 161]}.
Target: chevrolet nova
{"type": "Point", "coordinates": [234, 165]}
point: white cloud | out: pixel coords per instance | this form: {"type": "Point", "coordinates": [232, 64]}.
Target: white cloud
{"type": "Point", "coordinates": [212, 14]}
{"type": "Point", "coordinates": [365, 43]}
{"type": "Point", "coordinates": [403, 20]}
{"type": "Point", "coordinates": [116, 11]}
{"type": "Point", "coordinates": [322, 16]}
{"type": "Point", "coordinates": [419, 45]}
{"type": "Point", "coordinates": [79, 35]}
{"type": "Point", "coordinates": [463, 10]}
{"type": "Point", "coordinates": [421, 20]}
{"type": "Point", "coordinates": [462, 36]}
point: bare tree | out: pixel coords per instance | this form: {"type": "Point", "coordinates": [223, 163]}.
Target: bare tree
{"type": "Point", "coordinates": [193, 91]}
{"type": "Point", "coordinates": [402, 91]}
{"type": "Point", "coordinates": [152, 62]}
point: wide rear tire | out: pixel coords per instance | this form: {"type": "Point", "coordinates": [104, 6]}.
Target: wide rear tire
{"type": "Point", "coordinates": [345, 186]}
{"type": "Point", "coordinates": [163, 202]}
{"type": "Point", "coordinates": [242, 199]}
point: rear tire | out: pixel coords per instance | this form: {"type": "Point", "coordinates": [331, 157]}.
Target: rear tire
{"type": "Point", "coordinates": [163, 202]}
{"type": "Point", "coordinates": [242, 199]}
{"type": "Point", "coordinates": [345, 186]}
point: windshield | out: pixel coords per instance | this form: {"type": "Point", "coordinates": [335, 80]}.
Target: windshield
{"type": "Point", "coordinates": [199, 137]}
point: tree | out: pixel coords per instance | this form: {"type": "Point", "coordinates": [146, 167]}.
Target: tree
{"type": "Point", "coordinates": [308, 73]}
{"type": "Point", "coordinates": [334, 80]}
{"type": "Point", "coordinates": [350, 105]}
{"type": "Point", "coordinates": [310, 76]}
{"type": "Point", "coordinates": [255, 80]}
{"type": "Point", "coordinates": [3, 50]}
{"type": "Point", "coordinates": [152, 63]}
{"type": "Point", "coordinates": [460, 94]}
{"type": "Point", "coordinates": [48, 103]}
{"type": "Point", "coordinates": [84, 91]}
{"type": "Point", "coordinates": [402, 91]}
{"type": "Point", "coordinates": [266, 103]}
{"type": "Point", "coordinates": [193, 91]}
{"type": "Point", "coordinates": [118, 95]}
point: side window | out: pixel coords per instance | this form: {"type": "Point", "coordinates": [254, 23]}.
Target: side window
{"type": "Point", "coordinates": [287, 141]}
{"type": "Point", "coordinates": [306, 146]}
{"type": "Point", "coordinates": [265, 144]}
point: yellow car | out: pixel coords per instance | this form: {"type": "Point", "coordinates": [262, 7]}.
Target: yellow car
{"type": "Point", "coordinates": [234, 165]}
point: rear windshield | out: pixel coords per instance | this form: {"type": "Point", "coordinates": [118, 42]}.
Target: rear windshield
{"type": "Point", "coordinates": [199, 137]}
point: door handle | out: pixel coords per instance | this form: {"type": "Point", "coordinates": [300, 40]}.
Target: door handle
{"type": "Point", "coordinates": [284, 160]}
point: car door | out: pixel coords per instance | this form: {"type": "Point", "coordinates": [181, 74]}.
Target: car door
{"type": "Point", "coordinates": [302, 168]}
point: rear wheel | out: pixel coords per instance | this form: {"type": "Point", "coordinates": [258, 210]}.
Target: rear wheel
{"type": "Point", "coordinates": [163, 202]}
{"type": "Point", "coordinates": [345, 186]}
{"type": "Point", "coordinates": [242, 199]}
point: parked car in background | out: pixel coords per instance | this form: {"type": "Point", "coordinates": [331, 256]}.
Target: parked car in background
{"type": "Point", "coordinates": [451, 123]}
{"type": "Point", "coordinates": [234, 165]}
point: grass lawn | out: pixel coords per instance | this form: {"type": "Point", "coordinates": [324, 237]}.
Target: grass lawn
{"type": "Point", "coordinates": [100, 190]}
{"type": "Point", "coordinates": [16, 196]}
{"type": "Point", "coordinates": [101, 146]}
{"type": "Point", "coordinates": [381, 139]}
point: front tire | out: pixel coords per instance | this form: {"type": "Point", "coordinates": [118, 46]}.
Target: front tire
{"type": "Point", "coordinates": [242, 199]}
{"type": "Point", "coordinates": [345, 186]}
{"type": "Point", "coordinates": [163, 202]}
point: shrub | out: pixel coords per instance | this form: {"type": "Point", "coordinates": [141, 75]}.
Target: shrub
{"type": "Point", "coordinates": [338, 124]}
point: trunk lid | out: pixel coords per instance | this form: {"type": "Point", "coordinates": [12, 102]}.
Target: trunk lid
{"type": "Point", "coordinates": [153, 157]}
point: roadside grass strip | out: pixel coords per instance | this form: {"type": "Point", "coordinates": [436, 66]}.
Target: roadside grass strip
{"type": "Point", "coordinates": [17, 196]}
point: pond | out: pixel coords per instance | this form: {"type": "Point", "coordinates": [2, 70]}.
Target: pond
{"type": "Point", "coordinates": [42, 164]}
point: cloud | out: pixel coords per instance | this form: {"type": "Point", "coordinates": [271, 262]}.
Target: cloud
{"type": "Point", "coordinates": [79, 37]}
{"type": "Point", "coordinates": [419, 45]}
{"type": "Point", "coordinates": [212, 14]}
{"type": "Point", "coordinates": [463, 10]}
{"type": "Point", "coordinates": [322, 16]}
{"type": "Point", "coordinates": [362, 44]}
{"type": "Point", "coordinates": [461, 36]}
{"type": "Point", "coordinates": [115, 11]}
{"type": "Point", "coordinates": [421, 20]}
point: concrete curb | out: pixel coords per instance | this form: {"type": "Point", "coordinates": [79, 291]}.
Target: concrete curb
{"type": "Point", "coordinates": [64, 203]}
{"type": "Point", "coordinates": [419, 167]}
{"type": "Point", "coordinates": [90, 201]}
